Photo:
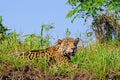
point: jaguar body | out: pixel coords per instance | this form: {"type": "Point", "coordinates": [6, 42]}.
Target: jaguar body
{"type": "Point", "coordinates": [59, 53]}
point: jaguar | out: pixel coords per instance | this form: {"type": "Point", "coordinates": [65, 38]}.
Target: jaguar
{"type": "Point", "coordinates": [60, 53]}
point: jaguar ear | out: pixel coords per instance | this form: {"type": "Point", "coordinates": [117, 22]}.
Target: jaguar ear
{"type": "Point", "coordinates": [76, 40]}
{"type": "Point", "coordinates": [59, 41]}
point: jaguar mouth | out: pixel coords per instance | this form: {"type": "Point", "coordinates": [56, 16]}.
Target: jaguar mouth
{"type": "Point", "coordinates": [70, 54]}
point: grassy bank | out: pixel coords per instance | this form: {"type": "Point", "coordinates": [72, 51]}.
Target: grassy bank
{"type": "Point", "coordinates": [96, 61]}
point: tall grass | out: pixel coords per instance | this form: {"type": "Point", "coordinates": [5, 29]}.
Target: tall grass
{"type": "Point", "coordinates": [99, 59]}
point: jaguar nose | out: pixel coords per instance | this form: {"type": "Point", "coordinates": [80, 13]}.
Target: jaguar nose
{"type": "Point", "coordinates": [73, 48]}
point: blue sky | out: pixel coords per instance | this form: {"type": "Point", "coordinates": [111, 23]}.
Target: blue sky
{"type": "Point", "coordinates": [26, 16]}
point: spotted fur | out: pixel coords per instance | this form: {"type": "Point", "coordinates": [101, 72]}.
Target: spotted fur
{"type": "Point", "coordinates": [60, 53]}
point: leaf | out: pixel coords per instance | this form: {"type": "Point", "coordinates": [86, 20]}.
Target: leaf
{"type": "Point", "coordinates": [89, 34]}
{"type": "Point", "coordinates": [49, 27]}
{"type": "Point", "coordinates": [72, 2]}
{"type": "Point", "coordinates": [0, 19]}
{"type": "Point", "coordinates": [68, 32]}
{"type": "Point", "coordinates": [72, 12]}
{"type": "Point", "coordinates": [74, 18]}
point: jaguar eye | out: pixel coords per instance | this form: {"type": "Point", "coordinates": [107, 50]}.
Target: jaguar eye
{"type": "Point", "coordinates": [67, 44]}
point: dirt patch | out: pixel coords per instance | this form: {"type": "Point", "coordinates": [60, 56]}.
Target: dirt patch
{"type": "Point", "coordinates": [30, 73]}
{"type": "Point", "coordinates": [27, 74]}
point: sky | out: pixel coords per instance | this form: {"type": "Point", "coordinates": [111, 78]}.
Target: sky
{"type": "Point", "coordinates": [26, 17]}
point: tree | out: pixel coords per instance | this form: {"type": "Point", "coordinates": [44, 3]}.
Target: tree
{"type": "Point", "coordinates": [102, 11]}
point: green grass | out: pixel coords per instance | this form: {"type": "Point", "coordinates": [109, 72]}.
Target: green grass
{"type": "Point", "coordinates": [97, 60]}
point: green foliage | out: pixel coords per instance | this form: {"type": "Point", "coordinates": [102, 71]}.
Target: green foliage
{"type": "Point", "coordinates": [91, 8]}
{"type": "Point", "coordinates": [72, 2]}
{"type": "Point", "coordinates": [39, 41]}
{"type": "Point", "coordinates": [67, 33]}
{"type": "Point", "coordinates": [12, 44]}
{"type": "Point", "coordinates": [3, 30]}
{"type": "Point", "coordinates": [33, 41]}
{"type": "Point", "coordinates": [99, 59]}
{"type": "Point", "coordinates": [0, 19]}
{"type": "Point", "coordinates": [104, 27]}
{"type": "Point", "coordinates": [45, 32]}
